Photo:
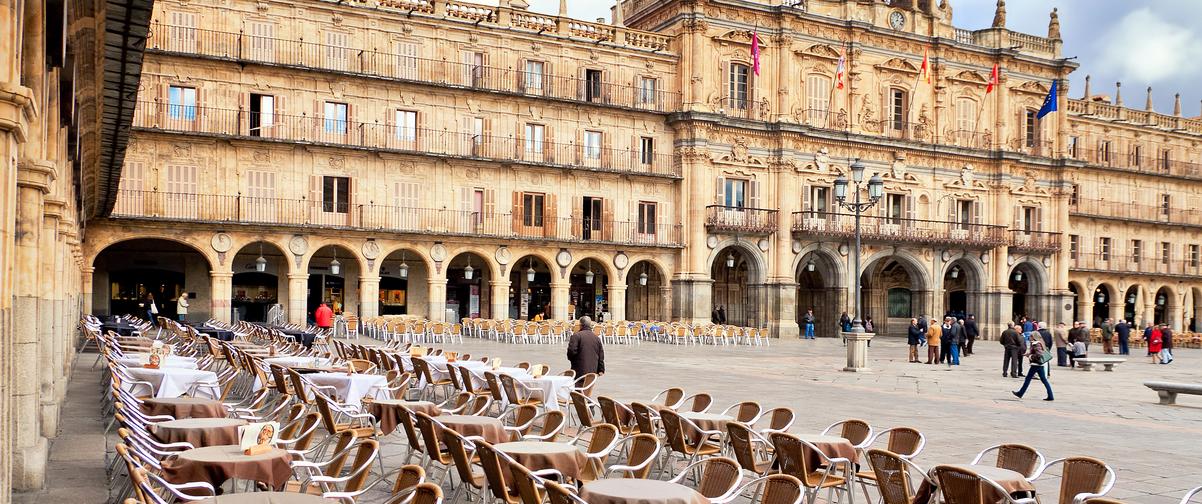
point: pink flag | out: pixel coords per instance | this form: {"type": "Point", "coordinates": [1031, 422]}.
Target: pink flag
{"type": "Point", "coordinates": [839, 70]}
{"type": "Point", "coordinates": [755, 51]}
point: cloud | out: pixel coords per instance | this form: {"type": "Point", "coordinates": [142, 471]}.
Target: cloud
{"type": "Point", "coordinates": [1145, 46]}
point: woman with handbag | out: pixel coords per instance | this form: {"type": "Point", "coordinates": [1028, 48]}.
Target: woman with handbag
{"type": "Point", "coordinates": [1039, 356]}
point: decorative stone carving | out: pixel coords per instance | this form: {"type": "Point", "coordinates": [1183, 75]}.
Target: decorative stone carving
{"type": "Point", "coordinates": [222, 242]}
{"type": "Point", "coordinates": [763, 244]}
{"type": "Point", "coordinates": [438, 252]}
{"type": "Point", "coordinates": [822, 159]}
{"type": "Point", "coordinates": [298, 245]}
{"type": "Point", "coordinates": [711, 241]}
{"type": "Point", "coordinates": [621, 260]}
{"type": "Point", "coordinates": [738, 151]}
{"type": "Point", "coordinates": [371, 250]}
{"type": "Point", "coordinates": [503, 255]}
{"type": "Point", "coordinates": [563, 258]}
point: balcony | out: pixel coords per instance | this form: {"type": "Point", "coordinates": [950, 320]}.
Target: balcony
{"type": "Point", "coordinates": [742, 108]}
{"type": "Point", "coordinates": [389, 137]}
{"type": "Point", "coordinates": [1140, 164]}
{"type": "Point", "coordinates": [817, 225]}
{"type": "Point", "coordinates": [1121, 210]}
{"type": "Point", "coordinates": [1131, 265]}
{"type": "Point", "coordinates": [241, 47]}
{"type": "Point", "coordinates": [740, 220]}
{"type": "Point", "coordinates": [1034, 242]}
{"type": "Point", "coordinates": [226, 209]}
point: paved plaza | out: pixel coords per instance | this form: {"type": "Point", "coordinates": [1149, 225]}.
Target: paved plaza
{"type": "Point", "coordinates": [961, 410]}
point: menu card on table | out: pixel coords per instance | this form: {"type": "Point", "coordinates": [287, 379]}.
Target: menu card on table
{"type": "Point", "coordinates": [258, 438]}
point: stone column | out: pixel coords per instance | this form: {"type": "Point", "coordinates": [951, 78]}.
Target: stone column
{"type": "Point", "coordinates": [369, 297]}
{"type": "Point", "coordinates": [298, 298]}
{"type": "Point", "coordinates": [30, 447]}
{"type": "Point", "coordinates": [48, 334]}
{"type": "Point", "coordinates": [438, 299]}
{"type": "Point", "coordinates": [781, 310]}
{"type": "Point", "coordinates": [500, 298]}
{"type": "Point", "coordinates": [221, 290]}
{"type": "Point", "coordinates": [692, 300]}
{"type": "Point", "coordinates": [665, 296]}
{"type": "Point", "coordinates": [86, 290]}
{"type": "Point", "coordinates": [857, 351]}
{"type": "Point", "coordinates": [617, 302]}
{"type": "Point", "coordinates": [559, 300]}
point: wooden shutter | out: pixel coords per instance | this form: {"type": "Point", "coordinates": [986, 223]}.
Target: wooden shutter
{"type": "Point", "coordinates": [721, 191]}
{"type": "Point", "coordinates": [607, 219]}
{"type": "Point", "coordinates": [549, 143]}
{"type": "Point", "coordinates": [315, 199]}
{"type": "Point", "coordinates": [1038, 218]}
{"type": "Point", "coordinates": [952, 205]}
{"type": "Point", "coordinates": [519, 151]}
{"type": "Point", "coordinates": [578, 216]}
{"type": "Point", "coordinates": [977, 210]}
{"type": "Point", "coordinates": [517, 211]}
{"type": "Point", "coordinates": [807, 198]}
{"type": "Point", "coordinates": [910, 204]}
{"type": "Point", "coordinates": [521, 75]}
{"type": "Point", "coordinates": [1018, 217]}
{"type": "Point", "coordinates": [606, 148]}
{"type": "Point", "coordinates": [753, 191]}
{"type": "Point", "coordinates": [550, 215]}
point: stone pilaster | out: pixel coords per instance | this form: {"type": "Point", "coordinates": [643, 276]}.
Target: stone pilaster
{"type": "Point", "coordinates": [298, 288]}
{"type": "Point", "coordinates": [369, 297]}
{"type": "Point", "coordinates": [222, 289]}
{"type": "Point", "coordinates": [559, 300]}
{"type": "Point", "coordinates": [500, 298]}
{"type": "Point", "coordinates": [617, 302]}
{"type": "Point", "coordinates": [438, 299]}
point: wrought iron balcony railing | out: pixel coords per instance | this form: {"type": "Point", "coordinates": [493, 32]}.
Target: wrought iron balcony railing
{"type": "Point", "coordinates": [1135, 265]}
{"type": "Point", "coordinates": [898, 230]}
{"type": "Point", "coordinates": [1136, 212]}
{"type": "Point", "coordinates": [1034, 242]}
{"type": "Point", "coordinates": [743, 220]}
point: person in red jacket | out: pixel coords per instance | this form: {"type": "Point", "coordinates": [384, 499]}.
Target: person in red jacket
{"type": "Point", "coordinates": [324, 317]}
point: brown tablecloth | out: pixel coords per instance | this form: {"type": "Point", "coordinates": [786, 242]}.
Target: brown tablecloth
{"type": "Point", "coordinates": [185, 407]}
{"type": "Point", "coordinates": [200, 432]}
{"type": "Point", "coordinates": [216, 464]}
{"type": "Point", "coordinates": [488, 428]}
{"type": "Point", "coordinates": [267, 498]}
{"type": "Point", "coordinates": [707, 421]}
{"type": "Point", "coordinates": [536, 455]}
{"type": "Point", "coordinates": [388, 411]}
{"type": "Point", "coordinates": [639, 491]}
{"type": "Point", "coordinates": [831, 446]}
{"type": "Point", "coordinates": [1011, 481]}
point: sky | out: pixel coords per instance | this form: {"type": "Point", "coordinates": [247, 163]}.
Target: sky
{"type": "Point", "coordinates": [1141, 43]}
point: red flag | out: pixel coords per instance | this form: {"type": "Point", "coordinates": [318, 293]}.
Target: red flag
{"type": "Point", "coordinates": [993, 78]}
{"type": "Point", "coordinates": [926, 66]}
{"type": "Point", "coordinates": [755, 51]}
{"type": "Point", "coordinates": [839, 70]}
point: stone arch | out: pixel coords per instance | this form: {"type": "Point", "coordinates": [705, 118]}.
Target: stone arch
{"type": "Point", "coordinates": [1078, 290]}
{"type": "Point", "coordinates": [343, 290]}
{"type": "Point", "coordinates": [539, 293]}
{"type": "Point", "coordinates": [737, 292]}
{"type": "Point", "coordinates": [752, 252]}
{"type": "Point", "coordinates": [1193, 321]}
{"type": "Point", "coordinates": [1029, 290]}
{"type": "Point", "coordinates": [836, 262]}
{"type": "Point", "coordinates": [1166, 307]}
{"type": "Point", "coordinates": [407, 294]}
{"type": "Point", "coordinates": [821, 286]}
{"type": "Point", "coordinates": [962, 282]}
{"type": "Point", "coordinates": [106, 240]}
{"type": "Point", "coordinates": [895, 288]}
{"type": "Point", "coordinates": [408, 248]}
{"type": "Point", "coordinates": [610, 270]}
{"type": "Point", "coordinates": [656, 261]}
{"type": "Point", "coordinates": [165, 267]}
{"type": "Point", "coordinates": [342, 247]}
{"type": "Point", "coordinates": [652, 301]}
{"type": "Point", "coordinates": [1105, 298]}
{"type": "Point", "coordinates": [254, 293]}
{"type": "Point", "coordinates": [912, 263]}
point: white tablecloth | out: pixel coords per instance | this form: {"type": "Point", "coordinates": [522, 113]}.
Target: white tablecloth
{"type": "Point", "coordinates": [554, 388]}
{"type": "Point", "coordinates": [172, 361]}
{"type": "Point", "coordinates": [351, 388]}
{"type": "Point", "coordinates": [306, 362]}
{"type": "Point", "coordinates": [175, 382]}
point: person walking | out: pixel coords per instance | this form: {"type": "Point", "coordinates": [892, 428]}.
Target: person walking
{"type": "Point", "coordinates": [1012, 352]}
{"type": "Point", "coordinates": [970, 333]}
{"type": "Point", "coordinates": [1166, 341]}
{"type": "Point", "coordinates": [1038, 357]}
{"type": "Point", "coordinates": [845, 322]}
{"type": "Point", "coordinates": [324, 317]}
{"type": "Point", "coordinates": [1123, 331]}
{"type": "Point", "coordinates": [1108, 336]}
{"type": "Point", "coordinates": [955, 336]}
{"type": "Point", "coordinates": [913, 336]}
{"type": "Point", "coordinates": [152, 309]}
{"type": "Point", "coordinates": [808, 320]}
{"type": "Point", "coordinates": [1155, 343]}
{"type": "Point", "coordinates": [934, 335]}
{"type": "Point", "coordinates": [181, 307]}
{"type": "Point", "coordinates": [1060, 336]}
{"type": "Point", "coordinates": [585, 351]}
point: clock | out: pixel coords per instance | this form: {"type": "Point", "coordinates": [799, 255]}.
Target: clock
{"type": "Point", "coordinates": [897, 20]}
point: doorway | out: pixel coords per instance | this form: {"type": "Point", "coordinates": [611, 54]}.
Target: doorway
{"type": "Point", "coordinates": [590, 226]}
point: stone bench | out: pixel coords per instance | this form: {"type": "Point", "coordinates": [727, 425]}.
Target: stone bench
{"type": "Point", "coordinates": [1168, 391]}
{"type": "Point", "coordinates": [1087, 363]}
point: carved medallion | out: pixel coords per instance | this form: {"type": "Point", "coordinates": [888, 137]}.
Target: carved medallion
{"type": "Point", "coordinates": [298, 245]}
{"type": "Point", "coordinates": [222, 242]}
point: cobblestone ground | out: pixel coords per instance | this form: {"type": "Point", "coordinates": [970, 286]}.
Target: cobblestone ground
{"type": "Point", "coordinates": [961, 410]}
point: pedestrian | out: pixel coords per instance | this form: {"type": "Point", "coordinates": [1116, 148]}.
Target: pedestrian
{"type": "Point", "coordinates": [721, 314]}
{"type": "Point", "coordinates": [845, 322]}
{"type": "Point", "coordinates": [945, 341]}
{"type": "Point", "coordinates": [1108, 336]}
{"type": "Point", "coordinates": [585, 351]}
{"type": "Point", "coordinates": [1148, 336]}
{"type": "Point", "coordinates": [1028, 325]}
{"type": "Point", "coordinates": [714, 315]}
{"type": "Point", "coordinates": [1166, 341]}
{"type": "Point", "coordinates": [1078, 351]}
{"type": "Point", "coordinates": [808, 320]}
{"type": "Point", "coordinates": [1123, 331]}
{"type": "Point", "coordinates": [323, 317]}
{"type": "Point", "coordinates": [970, 332]}
{"type": "Point", "coordinates": [1060, 336]}
{"type": "Point", "coordinates": [152, 309]}
{"type": "Point", "coordinates": [955, 337]}
{"type": "Point", "coordinates": [1012, 352]}
{"type": "Point", "coordinates": [934, 335]}
{"type": "Point", "coordinates": [1038, 356]}
{"type": "Point", "coordinates": [913, 336]}
{"type": "Point", "coordinates": [181, 307]}
{"type": "Point", "coordinates": [1155, 343]}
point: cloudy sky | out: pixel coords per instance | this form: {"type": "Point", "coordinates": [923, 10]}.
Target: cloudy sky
{"type": "Point", "coordinates": [1139, 42]}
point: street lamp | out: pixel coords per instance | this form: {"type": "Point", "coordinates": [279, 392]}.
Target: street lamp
{"type": "Point", "coordinates": [875, 189]}
{"type": "Point", "coordinates": [469, 270]}
{"type": "Point", "coordinates": [730, 260]}
{"type": "Point", "coordinates": [261, 262]}
{"type": "Point", "coordinates": [955, 272]}
{"type": "Point", "coordinates": [588, 275]}
{"type": "Point", "coordinates": [404, 267]}
{"type": "Point", "coordinates": [335, 266]}
{"type": "Point", "coordinates": [529, 271]}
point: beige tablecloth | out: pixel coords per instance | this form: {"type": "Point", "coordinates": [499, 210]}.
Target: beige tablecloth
{"type": "Point", "coordinates": [639, 491]}
{"type": "Point", "coordinates": [267, 498]}
{"type": "Point", "coordinates": [216, 464]}
{"type": "Point", "coordinates": [831, 446]}
{"type": "Point", "coordinates": [185, 407]}
{"type": "Point", "coordinates": [563, 457]}
{"type": "Point", "coordinates": [200, 432]}
{"type": "Point", "coordinates": [707, 421]}
{"type": "Point", "coordinates": [1011, 481]}
{"type": "Point", "coordinates": [388, 411]}
{"type": "Point", "coordinates": [488, 428]}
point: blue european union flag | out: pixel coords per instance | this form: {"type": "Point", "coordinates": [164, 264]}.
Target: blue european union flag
{"type": "Point", "coordinates": [1049, 103]}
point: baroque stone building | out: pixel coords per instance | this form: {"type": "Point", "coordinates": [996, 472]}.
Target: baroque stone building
{"type": "Point", "coordinates": [449, 159]}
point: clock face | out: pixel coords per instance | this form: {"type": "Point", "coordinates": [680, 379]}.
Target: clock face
{"type": "Point", "coordinates": [897, 20]}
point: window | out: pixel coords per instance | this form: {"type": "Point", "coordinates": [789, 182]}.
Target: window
{"type": "Point", "coordinates": [1073, 240]}
{"type": "Point", "coordinates": [1032, 128]}
{"type": "Point", "coordinates": [534, 138]}
{"type": "Point", "coordinates": [895, 207]}
{"type": "Point", "coordinates": [338, 50]}
{"type": "Point", "coordinates": [1030, 219]}
{"type": "Point", "coordinates": [1166, 205]}
{"type": "Point", "coordinates": [473, 68]}
{"type": "Point", "coordinates": [1136, 154]}
{"type": "Point", "coordinates": [181, 103]}
{"type": "Point", "coordinates": [648, 89]}
{"type": "Point", "coordinates": [1104, 151]}
{"type": "Point", "coordinates": [1104, 248]}
{"type": "Point", "coordinates": [1166, 159]}
{"type": "Point", "coordinates": [262, 41]}
{"type": "Point", "coordinates": [407, 60]}
{"type": "Point", "coordinates": [477, 133]}
{"type": "Point", "coordinates": [736, 193]}
{"type": "Point", "coordinates": [1194, 257]}
{"type": "Point", "coordinates": [406, 125]}
{"type": "Point", "coordinates": [966, 122]}
{"type": "Point", "coordinates": [182, 190]}
{"type": "Point", "coordinates": [592, 85]}
{"type": "Point", "coordinates": [1137, 251]}
{"type": "Point", "coordinates": [534, 76]}
{"type": "Point", "coordinates": [646, 150]}
{"type": "Point", "coordinates": [818, 99]}
{"type": "Point", "coordinates": [335, 194]}
{"type": "Point", "coordinates": [900, 303]}
{"type": "Point", "coordinates": [739, 86]}
{"type": "Point", "coordinates": [182, 31]}
{"type": "Point", "coordinates": [478, 205]}
{"type": "Point", "coordinates": [1072, 195]}
{"type": "Point", "coordinates": [262, 114]}
{"type": "Point", "coordinates": [532, 209]}
{"type": "Point", "coordinates": [897, 109]}
{"type": "Point", "coordinates": [335, 118]}
{"type": "Point", "coordinates": [646, 220]}
{"type": "Point", "coordinates": [1072, 147]}
{"type": "Point", "coordinates": [964, 214]}
{"type": "Point", "coordinates": [1166, 252]}
{"type": "Point", "coordinates": [818, 201]}
{"type": "Point", "coordinates": [592, 145]}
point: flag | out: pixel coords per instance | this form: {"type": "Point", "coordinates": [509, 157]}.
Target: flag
{"type": "Point", "coordinates": [993, 78]}
{"type": "Point", "coordinates": [755, 50]}
{"type": "Point", "coordinates": [839, 70]}
{"type": "Point", "coordinates": [926, 66]}
{"type": "Point", "coordinates": [1049, 103]}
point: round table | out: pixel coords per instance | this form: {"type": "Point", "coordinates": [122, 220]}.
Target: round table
{"type": "Point", "coordinates": [1012, 481]}
{"type": "Point", "coordinates": [489, 428]}
{"type": "Point", "coordinates": [171, 361]}
{"type": "Point", "coordinates": [554, 388]}
{"type": "Point", "coordinates": [175, 382]}
{"type": "Point", "coordinates": [216, 464]}
{"type": "Point", "coordinates": [316, 363]}
{"type": "Point", "coordinates": [709, 421]}
{"type": "Point", "coordinates": [831, 446]}
{"type": "Point", "coordinates": [185, 407]}
{"type": "Point", "coordinates": [639, 491]}
{"type": "Point", "coordinates": [535, 455]}
{"type": "Point", "coordinates": [267, 498]}
{"type": "Point", "coordinates": [351, 388]}
{"type": "Point", "coordinates": [388, 411]}
{"type": "Point", "coordinates": [199, 431]}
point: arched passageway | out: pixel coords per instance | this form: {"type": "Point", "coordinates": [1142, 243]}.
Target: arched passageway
{"type": "Point", "coordinates": [404, 284]}
{"type": "Point", "coordinates": [588, 289]}
{"type": "Point", "coordinates": [468, 292]}
{"type": "Point", "coordinates": [736, 289]}
{"type": "Point", "coordinates": [529, 288]}
{"type": "Point", "coordinates": [130, 273]}
{"type": "Point", "coordinates": [820, 290]}
{"type": "Point", "coordinates": [893, 292]}
{"type": "Point", "coordinates": [334, 273]}
{"type": "Point", "coordinates": [647, 293]}
{"type": "Point", "coordinates": [260, 281]}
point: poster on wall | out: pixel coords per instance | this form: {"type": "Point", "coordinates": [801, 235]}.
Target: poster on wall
{"type": "Point", "coordinates": [525, 310]}
{"type": "Point", "coordinates": [473, 304]}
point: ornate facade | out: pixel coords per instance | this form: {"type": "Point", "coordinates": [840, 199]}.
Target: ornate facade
{"type": "Point", "coordinates": [448, 159]}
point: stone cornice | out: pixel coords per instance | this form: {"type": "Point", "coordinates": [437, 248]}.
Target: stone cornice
{"type": "Point", "coordinates": [17, 110]}
{"type": "Point", "coordinates": [36, 174]}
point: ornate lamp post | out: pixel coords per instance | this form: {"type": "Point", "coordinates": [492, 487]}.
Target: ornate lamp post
{"type": "Point", "coordinates": [857, 340]}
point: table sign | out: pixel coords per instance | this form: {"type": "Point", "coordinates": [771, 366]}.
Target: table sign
{"type": "Point", "coordinates": [258, 438]}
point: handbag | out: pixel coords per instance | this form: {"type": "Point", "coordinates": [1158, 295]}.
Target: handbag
{"type": "Point", "coordinates": [1045, 357]}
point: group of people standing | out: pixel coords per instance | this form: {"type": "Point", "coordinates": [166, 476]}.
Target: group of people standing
{"type": "Point", "coordinates": [944, 341]}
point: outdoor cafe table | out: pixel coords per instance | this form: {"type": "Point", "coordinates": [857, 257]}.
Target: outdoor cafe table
{"type": "Point", "coordinates": [199, 432]}
{"type": "Point", "coordinates": [536, 456]}
{"type": "Point", "coordinates": [489, 428]}
{"type": "Point", "coordinates": [185, 407]}
{"type": "Point", "coordinates": [353, 387]}
{"type": "Point", "coordinates": [267, 498]}
{"type": "Point", "coordinates": [831, 446]}
{"type": "Point", "coordinates": [171, 361]}
{"type": "Point", "coordinates": [388, 411]}
{"type": "Point", "coordinates": [175, 382]}
{"type": "Point", "coordinates": [301, 363]}
{"type": "Point", "coordinates": [121, 328]}
{"type": "Point", "coordinates": [216, 464]}
{"type": "Point", "coordinates": [639, 491]}
{"type": "Point", "coordinates": [303, 337]}
{"type": "Point", "coordinates": [554, 388]}
{"type": "Point", "coordinates": [1012, 481]}
{"type": "Point", "coordinates": [216, 332]}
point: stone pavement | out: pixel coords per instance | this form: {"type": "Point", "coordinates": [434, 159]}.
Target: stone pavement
{"type": "Point", "coordinates": [962, 410]}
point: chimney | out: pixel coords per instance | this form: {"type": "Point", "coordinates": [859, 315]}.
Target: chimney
{"type": "Point", "coordinates": [1087, 93]}
{"type": "Point", "coordinates": [1148, 104]}
{"type": "Point", "coordinates": [1177, 105]}
{"type": "Point", "coordinates": [1118, 94]}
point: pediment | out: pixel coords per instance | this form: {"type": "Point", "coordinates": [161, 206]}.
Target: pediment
{"type": "Point", "coordinates": [970, 77]}
{"type": "Point", "coordinates": [898, 65]}
{"type": "Point", "coordinates": [741, 37]}
{"type": "Point", "coordinates": [1032, 87]}
{"type": "Point", "coordinates": [824, 51]}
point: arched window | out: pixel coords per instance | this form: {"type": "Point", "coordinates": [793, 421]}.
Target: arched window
{"type": "Point", "coordinates": [739, 86]}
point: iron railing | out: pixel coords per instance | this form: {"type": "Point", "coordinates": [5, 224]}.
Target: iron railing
{"type": "Point", "coordinates": [1137, 212]}
{"type": "Point", "coordinates": [1034, 242]}
{"type": "Point", "coordinates": [898, 230]}
{"type": "Point", "coordinates": [740, 219]}
{"type": "Point", "coordinates": [1128, 264]}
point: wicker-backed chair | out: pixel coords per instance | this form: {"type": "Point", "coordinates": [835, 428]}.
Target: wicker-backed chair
{"type": "Point", "coordinates": [772, 489]}
{"type": "Point", "coordinates": [408, 477]}
{"type": "Point", "coordinates": [854, 430]}
{"type": "Point", "coordinates": [893, 475]}
{"type": "Point", "coordinates": [550, 425]}
{"type": "Point", "coordinates": [602, 439]}
{"type": "Point", "coordinates": [427, 493]}
{"type": "Point", "coordinates": [749, 448]}
{"type": "Point", "coordinates": [641, 452]}
{"type": "Point", "coordinates": [718, 479]}
{"type": "Point", "coordinates": [698, 403]}
{"type": "Point", "coordinates": [421, 367]}
{"type": "Point", "coordinates": [958, 485]}
{"type": "Point", "coordinates": [462, 451]}
{"type": "Point", "coordinates": [670, 398]}
{"type": "Point", "coordinates": [519, 394]}
{"type": "Point", "coordinates": [561, 494]}
{"type": "Point", "coordinates": [747, 412]}
{"type": "Point", "coordinates": [904, 442]}
{"type": "Point", "coordinates": [496, 473]}
{"type": "Point", "coordinates": [685, 438]}
{"type": "Point", "coordinates": [1019, 458]}
{"type": "Point", "coordinates": [583, 407]}
{"type": "Point", "coordinates": [1081, 478]}
{"type": "Point", "coordinates": [793, 457]}
{"type": "Point", "coordinates": [618, 414]}
{"type": "Point", "coordinates": [431, 431]}
{"type": "Point", "coordinates": [466, 378]}
{"type": "Point", "coordinates": [779, 420]}
{"type": "Point", "coordinates": [644, 418]}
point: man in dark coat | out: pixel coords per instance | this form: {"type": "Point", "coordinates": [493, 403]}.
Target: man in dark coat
{"type": "Point", "coordinates": [1166, 337]}
{"type": "Point", "coordinates": [913, 336]}
{"type": "Point", "coordinates": [1012, 355]}
{"type": "Point", "coordinates": [970, 332]}
{"type": "Point", "coordinates": [1123, 330]}
{"type": "Point", "coordinates": [953, 333]}
{"type": "Point", "coordinates": [585, 351]}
